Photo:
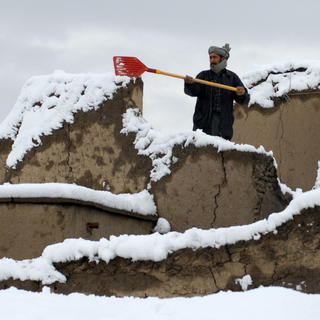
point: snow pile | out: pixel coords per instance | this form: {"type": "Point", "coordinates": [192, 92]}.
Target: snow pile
{"type": "Point", "coordinates": [162, 226]}
{"type": "Point", "coordinates": [36, 269]}
{"type": "Point", "coordinates": [158, 145]}
{"type": "Point", "coordinates": [274, 81]}
{"type": "Point", "coordinates": [244, 282]}
{"type": "Point", "coordinates": [141, 202]}
{"type": "Point", "coordinates": [262, 303]}
{"type": "Point", "coordinates": [154, 247]}
{"type": "Point", "coordinates": [46, 102]}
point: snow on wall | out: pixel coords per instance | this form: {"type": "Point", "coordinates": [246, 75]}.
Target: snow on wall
{"type": "Point", "coordinates": [154, 247]}
{"type": "Point", "coordinates": [46, 102]}
{"type": "Point", "coordinates": [141, 202]}
{"type": "Point", "coordinates": [317, 183]}
{"type": "Point", "coordinates": [277, 80]}
{"type": "Point", "coordinates": [158, 145]}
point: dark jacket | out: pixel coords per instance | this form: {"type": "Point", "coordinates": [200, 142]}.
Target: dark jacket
{"type": "Point", "coordinates": [213, 101]}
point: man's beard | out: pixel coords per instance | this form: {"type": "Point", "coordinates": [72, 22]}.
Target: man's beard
{"type": "Point", "coordinates": [217, 68]}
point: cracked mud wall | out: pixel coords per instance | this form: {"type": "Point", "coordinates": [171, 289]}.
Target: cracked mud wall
{"type": "Point", "coordinates": [91, 151]}
{"type": "Point", "coordinates": [290, 130]}
{"type": "Point", "coordinates": [288, 258]}
{"type": "Point", "coordinates": [217, 189]}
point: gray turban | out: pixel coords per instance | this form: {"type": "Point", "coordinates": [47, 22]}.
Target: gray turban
{"type": "Point", "coordinates": [221, 51]}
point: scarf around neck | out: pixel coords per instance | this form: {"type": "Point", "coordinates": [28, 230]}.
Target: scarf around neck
{"type": "Point", "coordinates": [219, 67]}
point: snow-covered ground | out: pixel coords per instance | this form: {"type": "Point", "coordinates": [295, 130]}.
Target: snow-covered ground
{"type": "Point", "coordinates": [261, 304]}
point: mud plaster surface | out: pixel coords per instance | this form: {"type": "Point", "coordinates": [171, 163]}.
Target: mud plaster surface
{"type": "Point", "coordinates": [29, 228]}
{"type": "Point", "coordinates": [215, 189]}
{"type": "Point", "coordinates": [290, 130]}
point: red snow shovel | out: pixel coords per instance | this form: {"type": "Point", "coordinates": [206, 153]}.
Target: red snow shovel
{"type": "Point", "coordinates": [133, 67]}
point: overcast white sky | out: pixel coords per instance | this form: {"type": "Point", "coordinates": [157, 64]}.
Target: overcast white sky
{"type": "Point", "coordinates": [38, 37]}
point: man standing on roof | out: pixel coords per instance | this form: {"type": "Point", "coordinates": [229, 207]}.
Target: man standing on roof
{"type": "Point", "coordinates": [214, 108]}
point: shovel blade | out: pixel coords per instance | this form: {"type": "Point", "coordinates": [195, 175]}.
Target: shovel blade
{"type": "Point", "coordinates": [128, 66]}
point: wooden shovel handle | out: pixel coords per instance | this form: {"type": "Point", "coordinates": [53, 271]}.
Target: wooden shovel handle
{"type": "Point", "coordinates": [209, 83]}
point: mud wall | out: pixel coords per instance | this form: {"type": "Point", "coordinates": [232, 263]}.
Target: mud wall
{"type": "Point", "coordinates": [29, 227]}
{"type": "Point", "coordinates": [290, 130]}
{"type": "Point", "coordinates": [288, 258]}
{"type": "Point", "coordinates": [207, 188]}
{"type": "Point", "coordinates": [90, 152]}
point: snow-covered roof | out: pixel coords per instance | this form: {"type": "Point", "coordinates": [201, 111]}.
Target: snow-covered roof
{"type": "Point", "coordinates": [276, 80]}
{"type": "Point", "coordinates": [154, 247]}
{"type": "Point", "coordinates": [46, 102]}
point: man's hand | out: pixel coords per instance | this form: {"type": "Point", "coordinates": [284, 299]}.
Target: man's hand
{"type": "Point", "coordinates": [240, 91]}
{"type": "Point", "coordinates": [188, 79]}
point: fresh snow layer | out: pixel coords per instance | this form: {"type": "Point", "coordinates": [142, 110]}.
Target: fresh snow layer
{"type": "Point", "coordinates": [262, 303]}
{"type": "Point", "coordinates": [158, 145]}
{"type": "Point", "coordinates": [46, 102]}
{"type": "Point", "coordinates": [276, 80]}
{"type": "Point", "coordinates": [141, 202]}
{"type": "Point", "coordinates": [154, 247]}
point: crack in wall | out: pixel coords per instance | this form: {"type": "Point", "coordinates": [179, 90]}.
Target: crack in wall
{"type": "Point", "coordinates": [214, 279]}
{"type": "Point", "coordinates": [260, 189]}
{"type": "Point", "coordinates": [68, 147]}
{"type": "Point", "coordinates": [273, 277]}
{"type": "Point", "coordinates": [216, 206]}
{"type": "Point", "coordinates": [228, 252]}
{"type": "Point", "coordinates": [216, 196]}
{"type": "Point", "coordinates": [281, 136]}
